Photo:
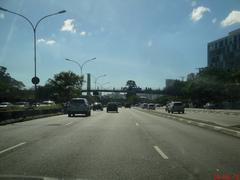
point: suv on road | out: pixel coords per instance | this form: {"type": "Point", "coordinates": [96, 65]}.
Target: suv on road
{"type": "Point", "coordinates": [112, 106]}
{"type": "Point", "coordinates": [79, 106]}
{"type": "Point", "coordinates": [176, 106]}
{"type": "Point", "coordinates": [127, 105]}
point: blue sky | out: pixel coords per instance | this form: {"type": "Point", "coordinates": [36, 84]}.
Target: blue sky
{"type": "Point", "coordinates": [144, 40]}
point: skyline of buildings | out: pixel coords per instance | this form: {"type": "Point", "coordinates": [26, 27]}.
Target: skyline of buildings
{"type": "Point", "coordinates": [225, 52]}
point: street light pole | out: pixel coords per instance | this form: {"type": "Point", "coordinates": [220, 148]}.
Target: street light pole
{"type": "Point", "coordinates": [97, 79]}
{"type": "Point", "coordinates": [101, 85]}
{"type": "Point", "coordinates": [81, 65]}
{"type": "Point", "coordinates": [35, 79]}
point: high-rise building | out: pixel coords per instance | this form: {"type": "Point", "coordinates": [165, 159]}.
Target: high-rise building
{"type": "Point", "coordinates": [190, 76]}
{"type": "Point", "coordinates": [170, 82]}
{"type": "Point", "coordinates": [225, 52]}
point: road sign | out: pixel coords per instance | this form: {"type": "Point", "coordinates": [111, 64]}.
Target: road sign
{"type": "Point", "coordinates": [35, 80]}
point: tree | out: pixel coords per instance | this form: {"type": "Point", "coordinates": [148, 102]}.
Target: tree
{"type": "Point", "coordinates": [64, 86]}
{"type": "Point", "coordinates": [10, 88]}
{"type": "Point", "coordinates": [131, 85]}
{"type": "Point", "coordinates": [176, 89]}
{"type": "Point", "coordinates": [131, 88]}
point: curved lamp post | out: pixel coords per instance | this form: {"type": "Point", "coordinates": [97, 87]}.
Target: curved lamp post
{"type": "Point", "coordinates": [102, 84]}
{"type": "Point", "coordinates": [81, 65]}
{"type": "Point", "coordinates": [96, 79]}
{"type": "Point", "coordinates": [35, 79]}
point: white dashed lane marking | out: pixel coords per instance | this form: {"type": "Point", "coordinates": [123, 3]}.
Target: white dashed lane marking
{"type": "Point", "coordinates": [68, 124]}
{"type": "Point", "coordinates": [160, 152]}
{"type": "Point", "coordinates": [13, 147]}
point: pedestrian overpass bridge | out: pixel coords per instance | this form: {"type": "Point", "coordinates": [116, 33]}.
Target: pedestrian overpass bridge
{"type": "Point", "coordinates": [147, 91]}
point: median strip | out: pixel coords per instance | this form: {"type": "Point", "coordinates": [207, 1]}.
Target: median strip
{"type": "Point", "coordinates": [13, 147]}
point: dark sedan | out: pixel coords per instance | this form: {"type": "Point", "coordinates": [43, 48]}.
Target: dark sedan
{"type": "Point", "coordinates": [97, 106]}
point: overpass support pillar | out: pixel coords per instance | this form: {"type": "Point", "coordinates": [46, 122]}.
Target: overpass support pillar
{"type": "Point", "coordinates": [88, 84]}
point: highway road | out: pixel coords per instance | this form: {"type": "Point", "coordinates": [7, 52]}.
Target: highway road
{"type": "Point", "coordinates": [125, 145]}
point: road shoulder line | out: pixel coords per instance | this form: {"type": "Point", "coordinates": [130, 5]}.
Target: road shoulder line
{"type": "Point", "coordinates": [214, 127]}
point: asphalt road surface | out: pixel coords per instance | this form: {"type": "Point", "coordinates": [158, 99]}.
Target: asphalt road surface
{"type": "Point", "coordinates": [125, 145]}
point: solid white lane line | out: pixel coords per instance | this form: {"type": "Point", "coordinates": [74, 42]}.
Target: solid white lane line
{"type": "Point", "coordinates": [137, 124]}
{"type": "Point", "coordinates": [164, 156]}
{"type": "Point", "coordinates": [13, 147]}
{"type": "Point", "coordinates": [68, 124]}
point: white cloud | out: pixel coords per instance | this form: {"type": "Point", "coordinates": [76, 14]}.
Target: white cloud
{"type": "Point", "coordinates": [69, 26]}
{"type": "Point", "coordinates": [41, 40]}
{"type": "Point", "coordinates": [149, 43]}
{"type": "Point", "coordinates": [214, 20]}
{"type": "Point", "coordinates": [2, 16]}
{"type": "Point", "coordinates": [232, 18]}
{"type": "Point", "coordinates": [83, 33]}
{"type": "Point", "coordinates": [198, 12]}
{"type": "Point", "coordinates": [48, 42]}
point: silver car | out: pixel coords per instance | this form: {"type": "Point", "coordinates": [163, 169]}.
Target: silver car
{"type": "Point", "coordinates": [176, 106]}
{"type": "Point", "coordinates": [151, 106]}
{"type": "Point", "coordinates": [79, 106]}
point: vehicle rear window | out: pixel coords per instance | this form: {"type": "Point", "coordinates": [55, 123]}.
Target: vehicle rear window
{"type": "Point", "coordinates": [78, 101]}
{"type": "Point", "coordinates": [177, 104]}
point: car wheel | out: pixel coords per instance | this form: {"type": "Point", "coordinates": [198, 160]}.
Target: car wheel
{"type": "Point", "coordinates": [183, 112]}
{"type": "Point", "coordinates": [69, 115]}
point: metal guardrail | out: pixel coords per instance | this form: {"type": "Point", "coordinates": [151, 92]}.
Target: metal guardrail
{"type": "Point", "coordinates": [6, 115]}
{"type": "Point", "coordinates": [216, 111]}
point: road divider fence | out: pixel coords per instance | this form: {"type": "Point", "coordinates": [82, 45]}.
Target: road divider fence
{"type": "Point", "coordinates": [20, 114]}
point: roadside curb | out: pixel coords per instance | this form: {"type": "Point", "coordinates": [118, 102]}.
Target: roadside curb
{"type": "Point", "coordinates": [199, 123]}
{"type": "Point", "coordinates": [12, 121]}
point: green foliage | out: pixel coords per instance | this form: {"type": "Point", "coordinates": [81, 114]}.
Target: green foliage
{"type": "Point", "coordinates": [14, 108]}
{"type": "Point", "coordinates": [131, 96]}
{"type": "Point", "coordinates": [209, 85]}
{"type": "Point", "coordinates": [134, 99]}
{"type": "Point", "coordinates": [10, 88]}
{"type": "Point", "coordinates": [163, 100]}
{"type": "Point", "coordinates": [131, 85]}
{"type": "Point", "coordinates": [63, 86]}
{"type": "Point", "coordinates": [176, 89]}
